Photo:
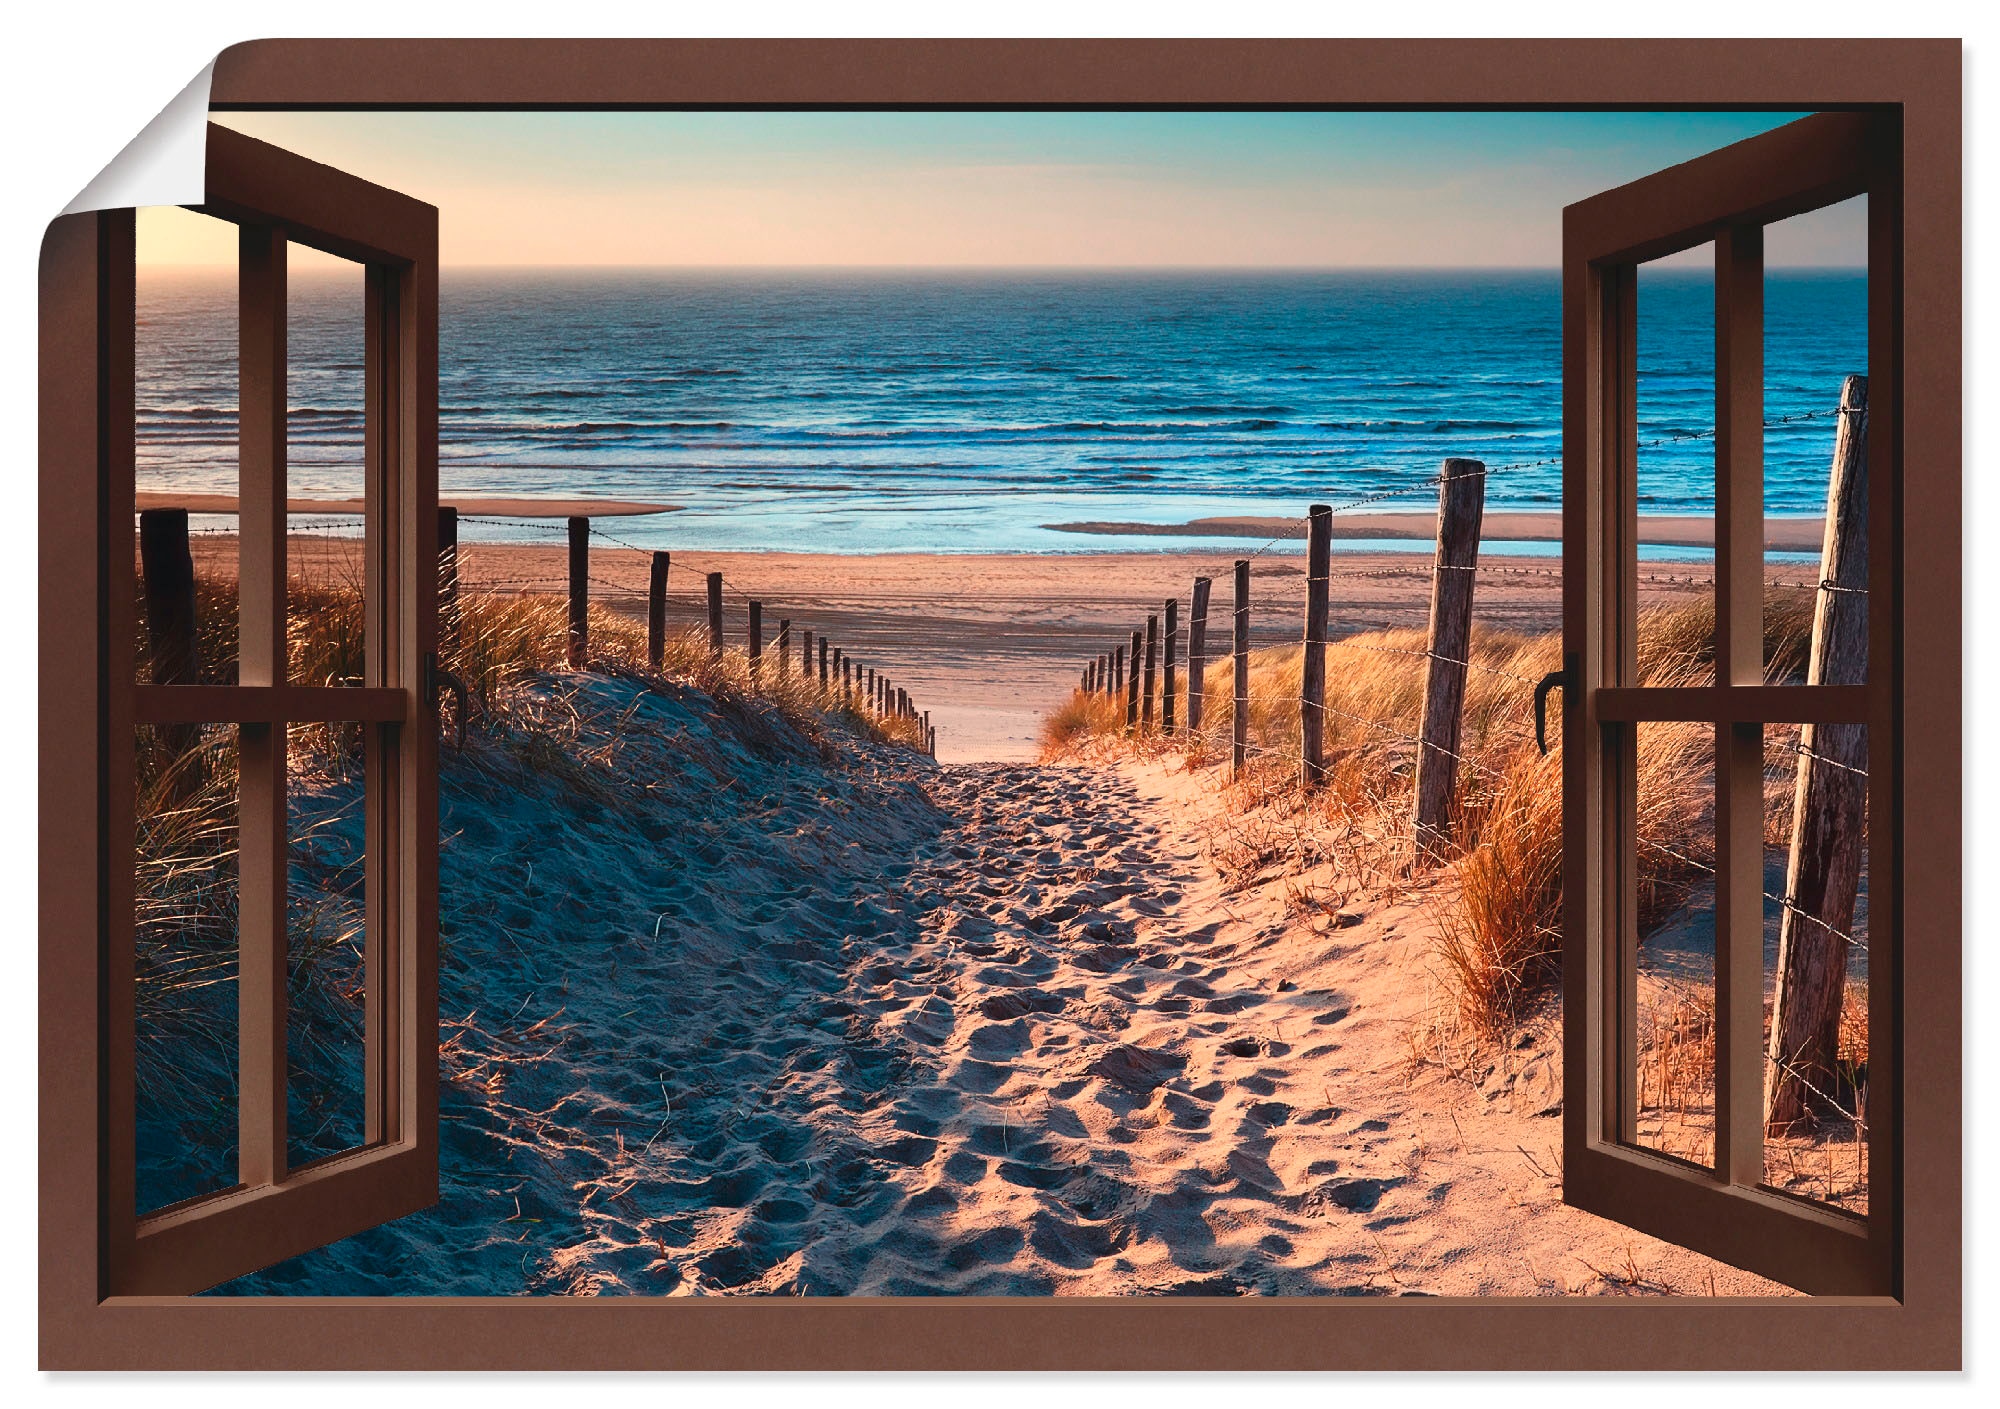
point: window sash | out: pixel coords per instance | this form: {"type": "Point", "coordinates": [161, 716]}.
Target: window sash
{"type": "Point", "coordinates": [1727, 197]}
{"type": "Point", "coordinates": [274, 1212]}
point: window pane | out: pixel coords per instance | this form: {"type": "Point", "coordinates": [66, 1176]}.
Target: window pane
{"type": "Point", "coordinates": [1816, 962]}
{"type": "Point", "coordinates": [184, 963]}
{"type": "Point", "coordinates": [1674, 1083]}
{"type": "Point", "coordinates": [184, 355]}
{"type": "Point", "coordinates": [326, 929]}
{"type": "Point", "coordinates": [325, 447]}
{"type": "Point", "coordinates": [1815, 399]}
{"type": "Point", "coordinates": [1675, 501]}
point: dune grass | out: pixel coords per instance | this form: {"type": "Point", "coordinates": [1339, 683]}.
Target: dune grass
{"type": "Point", "coordinates": [1500, 929]}
{"type": "Point", "coordinates": [185, 876]}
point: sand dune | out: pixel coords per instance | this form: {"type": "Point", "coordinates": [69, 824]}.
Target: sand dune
{"type": "Point", "coordinates": [732, 1014]}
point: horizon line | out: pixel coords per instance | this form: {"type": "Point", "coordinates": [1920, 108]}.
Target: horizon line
{"type": "Point", "coordinates": [1037, 268]}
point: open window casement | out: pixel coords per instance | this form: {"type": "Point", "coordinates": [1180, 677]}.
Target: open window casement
{"type": "Point", "coordinates": [1718, 1196]}
{"type": "Point", "coordinates": [279, 1205]}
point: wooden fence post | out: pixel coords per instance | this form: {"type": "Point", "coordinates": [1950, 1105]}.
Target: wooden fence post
{"type": "Point", "coordinates": [1239, 719]}
{"type": "Point", "coordinates": [1461, 502]}
{"type": "Point", "coordinates": [870, 696]}
{"type": "Point", "coordinates": [1829, 804]}
{"type": "Point", "coordinates": [715, 614]}
{"type": "Point", "coordinates": [656, 612]}
{"type": "Point", "coordinates": [1132, 688]}
{"type": "Point", "coordinates": [579, 590]}
{"type": "Point", "coordinates": [1197, 652]}
{"type": "Point", "coordinates": [1312, 682]}
{"type": "Point", "coordinates": [1118, 672]}
{"type": "Point", "coordinates": [806, 655]}
{"type": "Point", "coordinates": [447, 571]}
{"type": "Point", "coordinates": [168, 566]}
{"type": "Point", "coordinates": [172, 628]}
{"type": "Point", "coordinates": [1104, 673]}
{"type": "Point", "coordinates": [756, 639]}
{"type": "Point", "coordinates": [1152, 664]}
{"type": "Point", "coordinates": [784, 646]}
{"type": "Point", "coordinates": [1167, 664]}
{"type": "Point", "coordinates": [824, 646]}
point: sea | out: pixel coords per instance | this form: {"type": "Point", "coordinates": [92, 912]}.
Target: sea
{"type": "Point", "coordinates": [861, 411]}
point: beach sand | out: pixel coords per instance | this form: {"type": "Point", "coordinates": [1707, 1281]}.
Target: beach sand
{"type": "Point", "coordinates": [990, 642]}
{"type": "Point", "coordinates": [727, 1013]}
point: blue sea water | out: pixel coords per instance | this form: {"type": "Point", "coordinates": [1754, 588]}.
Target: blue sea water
{"type": "Point", "coordinates": [854, 411]}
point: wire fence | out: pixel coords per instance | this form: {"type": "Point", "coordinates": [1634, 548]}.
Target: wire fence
{"type": "Point", "coordinates": [1496, 761]}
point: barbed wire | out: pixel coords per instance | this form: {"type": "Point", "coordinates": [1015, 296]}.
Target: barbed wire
{"type": "Point", "coordinates": [1784, 902]}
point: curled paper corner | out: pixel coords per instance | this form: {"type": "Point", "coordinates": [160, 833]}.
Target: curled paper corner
{"type": "Point", "coordinates": [166, 164]}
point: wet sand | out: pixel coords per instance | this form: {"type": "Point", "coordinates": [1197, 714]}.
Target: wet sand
{"type": "Point", "coordinates": [1659, 530]}
{"type": "Point", "coordinates": [511, 508]}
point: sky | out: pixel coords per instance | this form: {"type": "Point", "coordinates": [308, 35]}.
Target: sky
{"type": "Point", "coordinates": [1107, 189]}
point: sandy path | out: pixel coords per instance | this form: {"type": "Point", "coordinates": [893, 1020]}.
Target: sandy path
{"type": "Point", "coordinates": [1105, 1075]}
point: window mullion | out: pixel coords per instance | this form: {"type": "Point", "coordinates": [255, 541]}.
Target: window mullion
{"type": "Point", "coordinates": [261, 660]}
{"type": "Point", "coordinates": [1739, 661]}
{"type": "Point", "coordinates": [1620, 382]}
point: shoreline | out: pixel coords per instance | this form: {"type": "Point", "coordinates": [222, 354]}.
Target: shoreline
{"type": "Point", "coordinates": [1791, 535]}
{"type": "Point", "coordinates": [484, 504]}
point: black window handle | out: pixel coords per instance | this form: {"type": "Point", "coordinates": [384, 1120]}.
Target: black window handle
{"type": "Point", "coordinates": [1553, 680]}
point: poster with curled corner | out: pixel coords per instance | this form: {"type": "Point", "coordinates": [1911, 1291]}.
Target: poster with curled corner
{"type": "Point", "coordinates": [1006, 704]}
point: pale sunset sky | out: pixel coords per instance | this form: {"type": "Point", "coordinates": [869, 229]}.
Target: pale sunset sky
{"type": "Point", "coordinates": [1243, 190]}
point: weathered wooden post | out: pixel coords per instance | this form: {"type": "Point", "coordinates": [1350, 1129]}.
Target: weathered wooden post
{"type": "Point", "coordinates": [1829, 804]}
{"type": "Point", "coordinates": [824, 646]}
{"type": "Point", "coordinates": [784, 646]}
{"type": "Point", "coordinates": [715, 615]}
{"type": "Point", "coordinates": [1104, 673]}
{"type": "Point", "coordinates": [1152, 665]}
{"type": "Point", "coordinates": [1197, 652]}
{"type": "Point", "coordinates": [1167, 666]}
{"type": "Point", "coordinates": [1118, 672]}
{"type": "Point", "coordinates": [1461, 503]}
{"type": "Point", "coordinates": [756, 639]}
{"type": "Point", "coordinates": [656, 613]}
{"type": "Point", "coordinates": [168, 566]}
{"type": "Point", "coordinates": [806, 655]}
{"type": "Point", "coordinates": [1312, 680]}
{"type": "Point", "coordinates": [579, 590]}
{"type": "Point", "coordinates": [870, 697]}
{"type": "Point", "coordinates": [1132, 689]}
{"type": "Point", "coordinates": [172, 627]}
{"type": "Point", "coordinates": [447, 571]}
{"type": "Point", "coordinates": [1239, 718]}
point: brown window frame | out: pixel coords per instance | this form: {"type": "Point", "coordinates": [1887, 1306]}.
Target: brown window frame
{"type": "Point", "coordinates": [1919, 1326]}
{"type": "Point", "coordinates": [1727, 197]}
{"type": "Point", "coordinates": [276, 199]}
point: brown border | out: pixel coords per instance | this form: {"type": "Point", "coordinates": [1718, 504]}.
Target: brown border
{"type": "Point", "coordinates": [1922, 1329]}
